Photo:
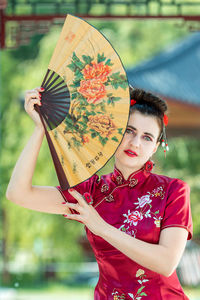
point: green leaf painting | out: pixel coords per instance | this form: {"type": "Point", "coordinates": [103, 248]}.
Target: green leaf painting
{"type": "Point", "coordinates": [100, 57]}
{"type": "Point", "coordinates": [89, 101]}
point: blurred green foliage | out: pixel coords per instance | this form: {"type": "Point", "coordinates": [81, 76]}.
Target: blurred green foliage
{"type": "Point", "coordinates": [182, 161]}
{"type": "Point", "coordinates": [47, 237]}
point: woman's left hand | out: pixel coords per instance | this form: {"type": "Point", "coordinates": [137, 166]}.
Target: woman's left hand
{"type": "Point", "coordinates": [87, 213]}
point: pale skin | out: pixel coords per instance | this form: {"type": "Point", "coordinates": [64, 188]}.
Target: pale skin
{"type": "Point", "coordinates": [141, 137]}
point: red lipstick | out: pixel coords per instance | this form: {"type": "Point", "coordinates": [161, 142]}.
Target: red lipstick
{"type": "Point", "coordinates": [130, 153]}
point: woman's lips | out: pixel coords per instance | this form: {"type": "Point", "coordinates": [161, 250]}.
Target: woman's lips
{"type": "Point", "coordinates": [130, 153]}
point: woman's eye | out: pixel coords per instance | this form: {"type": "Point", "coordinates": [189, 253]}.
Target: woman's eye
{"type": "Point", "coordinates": [147, 138]}
{"type": "Point", "coordinates": [128, 130]}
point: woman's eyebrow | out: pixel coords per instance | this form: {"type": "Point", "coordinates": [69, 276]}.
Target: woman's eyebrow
{"type": "Point", "coordinates": [148, 133]}
{"type": "Point", "coordinates": [131, 127]}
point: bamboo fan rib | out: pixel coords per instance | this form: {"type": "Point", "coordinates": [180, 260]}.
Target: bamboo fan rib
{"type": "Point", "coordinates": [55, 99]}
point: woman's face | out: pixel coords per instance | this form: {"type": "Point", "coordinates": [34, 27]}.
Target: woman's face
{"type": "Point", "coordinates": [139, 142]}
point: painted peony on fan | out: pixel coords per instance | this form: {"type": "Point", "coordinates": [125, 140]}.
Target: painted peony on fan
{"type": "Point", "coordinates": [85, 105]}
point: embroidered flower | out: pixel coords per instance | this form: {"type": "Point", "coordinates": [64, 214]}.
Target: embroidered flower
{"type": "Point", "coordinates": [127, 230]}
{"type": "Point", "coordinates": [158, 192]}
{"type": "Point", "coordinates": [119, 295]}
{"type": "Point", "coordinates": [140, 272]}
{"type": "Point", "coordinates": [157, 221]}
{"type": "Point", "coordinates": [133, 217]}
{"type": "Point", "coordinates": [143, 200]}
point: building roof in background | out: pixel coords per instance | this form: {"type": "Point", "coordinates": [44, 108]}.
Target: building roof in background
{"type": "Point", "coordinates": [175, 73]}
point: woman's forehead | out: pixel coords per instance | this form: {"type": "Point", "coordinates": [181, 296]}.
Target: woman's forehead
{"type": "Point", "coordinates": [144, 123]}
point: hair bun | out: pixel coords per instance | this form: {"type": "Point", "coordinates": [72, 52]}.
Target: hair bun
{"type": "Point", "coordinates": [142, 97]}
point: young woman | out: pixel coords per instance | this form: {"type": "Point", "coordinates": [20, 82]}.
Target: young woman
{"type": "Point", "coordinates": [137, 222]}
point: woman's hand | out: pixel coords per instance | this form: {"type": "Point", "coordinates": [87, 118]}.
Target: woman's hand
{"type": "Point", "coordinates": [87, 214]}
{"type": "Point", "coordinates": [33, 97]}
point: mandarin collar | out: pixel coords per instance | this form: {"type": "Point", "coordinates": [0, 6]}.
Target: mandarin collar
{"type": "Point", "coordinates": [133, 179]}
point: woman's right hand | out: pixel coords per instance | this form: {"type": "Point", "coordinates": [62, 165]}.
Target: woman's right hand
{"type": "Point", "coordinates": [33, 97]}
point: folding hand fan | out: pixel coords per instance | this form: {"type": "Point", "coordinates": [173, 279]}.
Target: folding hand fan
{"type": "Point", "coordinates": [85, 105]}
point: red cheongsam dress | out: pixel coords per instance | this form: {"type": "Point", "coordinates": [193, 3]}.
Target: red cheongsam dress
{"type": "Point", "coordinates": [140, 206]}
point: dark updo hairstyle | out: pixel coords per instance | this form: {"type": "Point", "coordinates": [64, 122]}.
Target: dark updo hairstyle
{"type": "Point", "coordinates": [149, 104]}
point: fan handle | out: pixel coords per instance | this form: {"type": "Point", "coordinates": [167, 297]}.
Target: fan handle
{"type": "Point", "coordinates": [64, 184]}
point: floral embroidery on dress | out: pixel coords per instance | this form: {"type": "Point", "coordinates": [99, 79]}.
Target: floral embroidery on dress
{"type": "Point", "coordinates": [158, 192]}
{"type": "Point", "coordinates": [141, 274]}
{"type": "Point", "coordinates": [157, 221]}
{"type": "Point", "coordinates": [128, 230]}
{"type": "Point", "coordinates": [133, 217]}
{"type": "Point", "coordinates": [143, 200]}
{"type": "Point", "coordinates": [143, 210]}
{"type": "Point", "coordinates": [119, 295]}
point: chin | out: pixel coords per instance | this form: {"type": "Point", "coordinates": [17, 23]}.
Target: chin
{"type": "Point", "coordinates": [126, 164]}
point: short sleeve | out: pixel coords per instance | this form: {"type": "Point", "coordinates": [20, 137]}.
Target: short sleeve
{"type": "Point", "coordinates": [178, 211]}
{"type": "Point", "coordinates": [86, 186]}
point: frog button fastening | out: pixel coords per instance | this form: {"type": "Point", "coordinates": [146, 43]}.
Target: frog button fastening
{"type": "Point", "coordinates": [119, 179]}
{"type": "Point", "coordinates": [109, 198]}
{"type": "Point", "coordinates": [104, 188]}
{"type": "Point", "coordinates": [133, 182]}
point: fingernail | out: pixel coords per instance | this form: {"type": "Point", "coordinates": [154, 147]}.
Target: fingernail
{"type": "Point", "coordinates": [71, 190]}
{"type": "Point", "coordinates": [88, 198]}
{"type": "Point", "coordinates": [65, 216]}
{"type": "Point", "coordinates": [63, 202]}
{"type": "Point", "coordinates": [40, 95]}
{"type": "Point", "coordinates": [40, 104]}
{"type": "Point", "coordinates": [42, 88]}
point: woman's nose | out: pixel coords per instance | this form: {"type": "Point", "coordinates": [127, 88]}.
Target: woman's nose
{"type": "Point", "coordinates": [135, 141]}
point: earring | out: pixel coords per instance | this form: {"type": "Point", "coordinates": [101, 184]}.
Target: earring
{"type": "Point", "coordinates": [149, 165]}
{"type": "Point", "coordinates": [164, 139]}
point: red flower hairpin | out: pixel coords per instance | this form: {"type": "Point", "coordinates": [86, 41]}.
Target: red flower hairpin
{"type": "Point", "coordinates": [133, 102]}
{"type": "Point", "coordinates": [165, 120]}
{"type": "Point", "coordinates": [164, 140]}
